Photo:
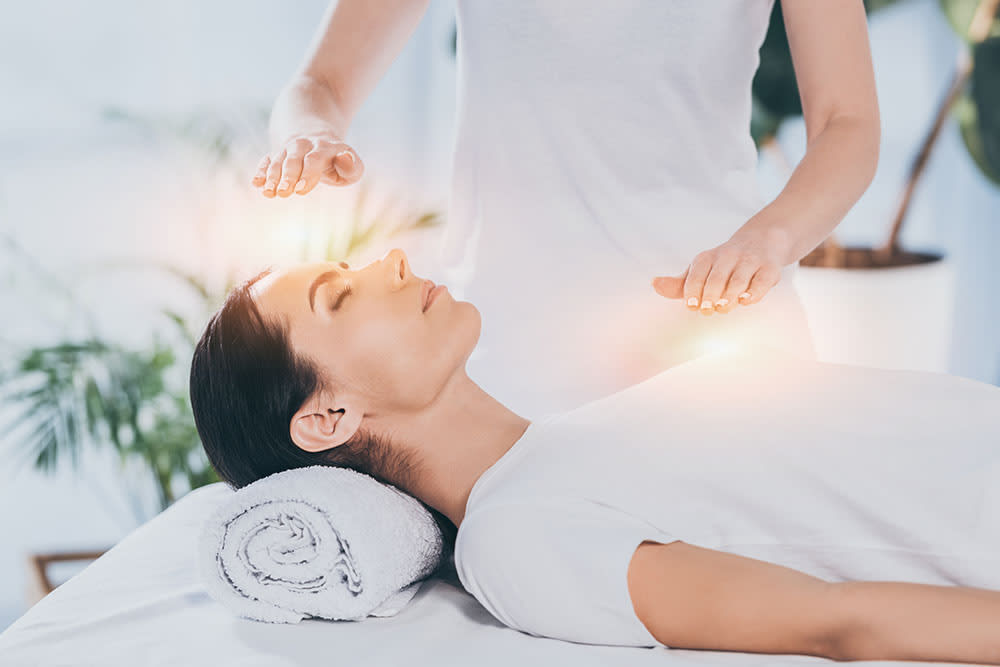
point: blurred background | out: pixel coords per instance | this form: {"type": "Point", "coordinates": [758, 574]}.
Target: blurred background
{"type": "Point", "coordinates": [128, 140]}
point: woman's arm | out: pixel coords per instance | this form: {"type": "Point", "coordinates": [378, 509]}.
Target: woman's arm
{"type": "Point", "coordinates": [906, 621]}
{"type": "Point", "coordinates": [312, 112]}
{"type": "Point", "coordinates": [347, 57]}
{"type": "Point", "coordinates": [836, 79]}
{"type": "Point", "coordinates": [691, 597]}
{"type": "Point", "coordinates": [833, 68]}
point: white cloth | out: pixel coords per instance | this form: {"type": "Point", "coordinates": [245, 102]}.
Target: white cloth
{"type": "Point", "coordinates": [842, 472]}
{"type": "Point", "coordinates": [600, 144]}
{"type": "Point", "coordinates": [317, 542]}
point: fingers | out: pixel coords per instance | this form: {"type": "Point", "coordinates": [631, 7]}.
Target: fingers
{"type": "Point", "coordinates": [671, 287]}
{"type": "Point", "coordinates": [715, 283]}
{"type": "Point", "coordinates": [312, 169]}
{"type": "Point", "coordinates": [695, 282]}
{"type": "Point", "coordinates": [292, 169]}
{"type": "Point", "coordinates": [261, 175]}
{"type": "Point", "coordinates": [273, 174]}
{"type": "Point", "coordinates": [304, 162]}
{"type": "Point", "coordinates": [750, 282]}
{"type": "Point", "coordinates": [766, 277]}
{"type": "Point", "coordinates": [739, 281]}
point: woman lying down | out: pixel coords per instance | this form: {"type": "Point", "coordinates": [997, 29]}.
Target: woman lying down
{"type": "Point", "coordinates": [741, 501]}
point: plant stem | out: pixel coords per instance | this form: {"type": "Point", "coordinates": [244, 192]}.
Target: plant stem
{"type": "Point", "coordinates": [979, 28]}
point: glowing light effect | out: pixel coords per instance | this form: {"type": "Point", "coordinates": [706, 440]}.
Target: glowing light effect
{"type": "Point", "coordinates": [715, 343]}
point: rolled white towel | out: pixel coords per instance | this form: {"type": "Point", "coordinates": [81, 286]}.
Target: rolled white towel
{"type": "Point", "coordinates": [319, 542]}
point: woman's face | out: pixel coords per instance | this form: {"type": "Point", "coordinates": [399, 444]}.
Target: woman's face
{"type": "Point", "coordinates": [367, 329]}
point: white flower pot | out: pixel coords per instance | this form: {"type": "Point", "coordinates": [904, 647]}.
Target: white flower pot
{"type": "Point", "coordinates": [895, 317]}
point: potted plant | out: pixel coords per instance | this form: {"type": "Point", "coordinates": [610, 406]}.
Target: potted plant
{"type": "Point", "coordinates": [864, 303]}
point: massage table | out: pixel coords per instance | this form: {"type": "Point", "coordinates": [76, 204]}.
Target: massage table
{"type": "Point", "coordinates": [141, 603]}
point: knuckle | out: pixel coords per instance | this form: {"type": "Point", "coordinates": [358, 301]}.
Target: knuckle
{"type": "Point", "coordinates": [312, 159]}
{"type": "Point", "coordinates": [763, 277]}
{"type": "Point", "coordinates": [739, 281]}
{"type": "Point", "coordinates": [730, 254]}
{"type": "Point", "coordinates": [703, 258]}
{"type": "Point", "coordinates": [713, 289]}
{"type": "Point", "coordinates": [328, 146]}
{"type": "Point", "coordinates": [299, 143]}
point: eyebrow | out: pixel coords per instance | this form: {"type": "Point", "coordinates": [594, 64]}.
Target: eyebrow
{"type": "Point", "coordinates": [319, 280]}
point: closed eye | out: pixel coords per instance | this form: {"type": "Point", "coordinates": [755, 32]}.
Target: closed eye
{"type": "Point", "coordinates": [340, 297]}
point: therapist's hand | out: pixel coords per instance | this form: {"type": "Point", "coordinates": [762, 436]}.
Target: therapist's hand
{"type": "Point", "coordinates": [305, 160]}
{"type": "Point", "coordinates": [741, 270]}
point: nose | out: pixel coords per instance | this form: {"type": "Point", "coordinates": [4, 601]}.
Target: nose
{"type": "Point", "coordinates": [399, 266]}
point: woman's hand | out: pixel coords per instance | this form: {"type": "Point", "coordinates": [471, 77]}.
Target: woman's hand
{"type": "Point", "coordinates": [307, 159]}
{"type": "Point", "coordinates": [741, 270]}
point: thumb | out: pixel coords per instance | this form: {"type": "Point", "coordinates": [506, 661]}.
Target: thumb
{"type": "Point", "coordinates": [348, 166]}
{"type": "Point", "coordinates": [671, 287]}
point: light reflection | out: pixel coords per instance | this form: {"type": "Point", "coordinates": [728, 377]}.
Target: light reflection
{"type": "Point", "coordinates": [718, 343]}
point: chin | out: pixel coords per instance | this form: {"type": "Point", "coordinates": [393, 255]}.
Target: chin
{"type": "Point", "coordinates": [478, 318]}
{"type": "Point", "coordinates": [474, 323]}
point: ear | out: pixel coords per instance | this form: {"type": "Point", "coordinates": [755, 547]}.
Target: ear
{"type": "Point", "coordinates": [322, 423]}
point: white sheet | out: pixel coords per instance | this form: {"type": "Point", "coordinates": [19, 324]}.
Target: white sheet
{"type": "Point", "coordinates": [141, 604]}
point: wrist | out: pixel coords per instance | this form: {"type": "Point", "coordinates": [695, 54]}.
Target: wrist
{"type": "Point", "coordinates": [778, 240]}
{"type": "Point", "coordinates": [304, 107]}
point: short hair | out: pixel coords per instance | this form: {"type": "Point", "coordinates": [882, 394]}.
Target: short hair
{"type": "Point", "coordinates": [247, 383]}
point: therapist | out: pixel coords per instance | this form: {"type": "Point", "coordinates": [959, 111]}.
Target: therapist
{"type": "Point", "coordinates": [604, 196]}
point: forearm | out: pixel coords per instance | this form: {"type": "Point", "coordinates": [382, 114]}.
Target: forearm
{"type": "Point", "coordinates": [306, 105]}
{"type": "Point", "coordinates": [888, 620]}
{"type": "Point", "coordinates": [836, 170]}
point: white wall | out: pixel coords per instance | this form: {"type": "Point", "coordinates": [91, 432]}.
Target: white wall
{"type": "Point", "coordinates": [75, 190]}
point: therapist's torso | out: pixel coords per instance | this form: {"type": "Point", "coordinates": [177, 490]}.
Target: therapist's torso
{"type": "Point", "coordinates": [599, 144]}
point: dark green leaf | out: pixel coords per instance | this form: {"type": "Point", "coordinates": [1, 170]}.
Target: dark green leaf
{"type": "Point", "coordinates": [985, 94]}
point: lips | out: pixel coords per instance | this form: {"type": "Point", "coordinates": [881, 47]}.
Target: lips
{"type": "Point", "coordinates": [427, 287]}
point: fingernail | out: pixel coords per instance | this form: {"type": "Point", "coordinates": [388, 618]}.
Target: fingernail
{"type": "Point", "coordinates": [301, 186]}
{"type": "Point", "coordinates": [722, 302]}
{"type": "Point", "coordinates": [693, 301]}
{"type": "Point", "coordinates": [707, 303]}
{"type": "Point", "coordinates": [745, 295]}
{"type": "Point", "coordinates": [350, 156]}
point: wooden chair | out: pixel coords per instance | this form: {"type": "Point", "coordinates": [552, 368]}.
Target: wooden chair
{"type": "Point", "coordinates": [38, 564]}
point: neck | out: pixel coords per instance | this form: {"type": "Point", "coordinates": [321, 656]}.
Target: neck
{"type": "Point", "coordinates": [455, 439]}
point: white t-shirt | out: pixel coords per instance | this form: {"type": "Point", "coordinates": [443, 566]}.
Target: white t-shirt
{"type": "Point", "coordinates": [842, 472]}
{"type": "Point", "coordinates": [599, 144]}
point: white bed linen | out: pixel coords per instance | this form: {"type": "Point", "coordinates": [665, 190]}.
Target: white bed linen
{"type": "Point", "coordinates": [141, 604]}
